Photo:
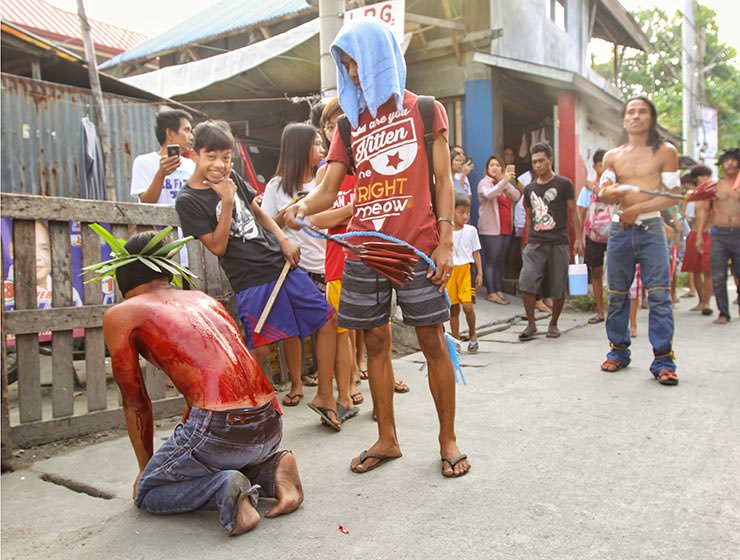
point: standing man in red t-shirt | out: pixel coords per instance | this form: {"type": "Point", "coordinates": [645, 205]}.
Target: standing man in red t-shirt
{"type": "Point", "coordinates": [392, 196]}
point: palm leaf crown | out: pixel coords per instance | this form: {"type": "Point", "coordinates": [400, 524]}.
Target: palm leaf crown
{"type": "Point", "coordinates": [152, 255]}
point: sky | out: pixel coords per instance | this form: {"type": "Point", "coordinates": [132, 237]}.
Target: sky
{"type": "Point", "coordinates": [155, 17]}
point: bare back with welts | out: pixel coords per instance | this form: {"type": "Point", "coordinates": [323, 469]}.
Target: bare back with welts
{"type": "Point", "coordinates": [192, 338]}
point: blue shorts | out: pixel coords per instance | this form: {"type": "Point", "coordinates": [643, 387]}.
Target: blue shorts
{"type": "Point", "coordinates": [299, 310]}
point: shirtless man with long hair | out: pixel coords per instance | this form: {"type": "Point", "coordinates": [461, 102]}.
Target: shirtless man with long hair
{"type": "Point", "coordinates": [636, 236]}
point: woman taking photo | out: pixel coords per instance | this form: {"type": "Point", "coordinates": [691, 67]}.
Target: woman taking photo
{"type": "Point", "coordinates": [496, 193]}
{"type": "Point", "coordinates": [461, 168]}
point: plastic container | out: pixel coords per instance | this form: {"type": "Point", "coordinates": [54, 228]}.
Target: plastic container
{"type": "Point", "coordinates": [578, 278]}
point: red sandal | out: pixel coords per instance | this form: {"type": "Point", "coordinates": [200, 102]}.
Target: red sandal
{"type": "Point", "coordinates": [667, 377]}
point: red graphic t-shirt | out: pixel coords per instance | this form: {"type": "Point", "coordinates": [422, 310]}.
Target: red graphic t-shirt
{"type": "Point", "coordinates": [334, 262]}
{"type": "Point", "coordinates": [392, 192]}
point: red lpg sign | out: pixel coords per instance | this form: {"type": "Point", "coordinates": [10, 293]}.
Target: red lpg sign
{"type": "Point", "coordinates": [390, 12]}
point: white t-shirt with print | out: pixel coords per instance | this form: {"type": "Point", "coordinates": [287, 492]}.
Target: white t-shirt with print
{"type": "Point", "coordinates": [313, 250]}
{"type": "Point", "coordinates": [146, 166]}
{"type": "Point", "coordinates": [465, 242]}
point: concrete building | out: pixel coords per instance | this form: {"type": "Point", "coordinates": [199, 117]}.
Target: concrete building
{"type": "Point", "coordinates": [509, 72]}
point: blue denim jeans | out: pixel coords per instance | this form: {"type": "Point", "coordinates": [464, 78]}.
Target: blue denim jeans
{"type": "Point", "coordinates": [211, 461]}
{"type": "Point", "coordinates": [643, 244]}
{"type": "Point", "coordinates": [725, 246]}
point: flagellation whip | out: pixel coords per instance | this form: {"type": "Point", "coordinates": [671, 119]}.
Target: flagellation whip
{"type": "Point", "coordinates": [705, 191]}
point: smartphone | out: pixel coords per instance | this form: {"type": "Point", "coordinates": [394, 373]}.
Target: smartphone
{"type": "Point", "coordinates": [173, 150]}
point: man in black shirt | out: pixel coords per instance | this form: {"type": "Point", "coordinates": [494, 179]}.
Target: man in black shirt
{"type": "Point", "coordinates": [548, 200]}
{"type": "Point", "coordinates": [219, 208]}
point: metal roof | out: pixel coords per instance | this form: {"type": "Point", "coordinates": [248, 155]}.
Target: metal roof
{"type": "Point", "coordinates": [51, 22]}
{"type": "Point", "coordinates": [223, 17]}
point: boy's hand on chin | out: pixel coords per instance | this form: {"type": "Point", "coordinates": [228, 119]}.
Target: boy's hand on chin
{"type": "Point", "coordinates": [225, 188]}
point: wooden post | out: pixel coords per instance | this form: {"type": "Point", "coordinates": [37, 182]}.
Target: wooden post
{"type": "Point", "coordinates": [97, 97]}
{"type": "Point", "coordinates": [6, 443]}
{"type": "Point", "coordinates": [62, 365]}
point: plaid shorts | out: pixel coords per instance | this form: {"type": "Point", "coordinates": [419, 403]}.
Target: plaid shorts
{"type": "Point", "coordinates": [365, 302]}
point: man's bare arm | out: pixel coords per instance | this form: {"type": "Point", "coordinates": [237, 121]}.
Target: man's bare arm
{"type": "Point", "coordinates": [321, 198]}
{"type": "Point", "coordinates": [332, 218]}
{"type": "Point", "coordinates": [578, 227]}
{"type": "Point", "coordinates": [167, 165]}
{"type": "Point", "coordinates": [137, 407]}
{"type": "Point", "coordinates": [445, 203]}
{"type": "Point", "coordinates": [703, 212]}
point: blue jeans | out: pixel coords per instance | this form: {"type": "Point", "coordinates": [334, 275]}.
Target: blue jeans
{"type": "Point", "coordinates": [211, 461]}
{"type": "Point", "coordinates": [725, 246]}
{"type": "Point", "coordinates": [645, 245]}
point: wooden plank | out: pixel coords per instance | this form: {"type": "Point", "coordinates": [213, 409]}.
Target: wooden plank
{"type": "Point", "coordinates": [38, 320]}
{"type": "Point", "coordinates": [27, 345]}
{"type": "Point", "coordinates": [32, 207]}
{"type": "Point", "coordinates": [213, 275]}
{"type": "Point", "coordinates": [95, 387]}
{"type": "Point", "coordinates": [436, 22]}
{"type": "Point", "coordinates": [197, 263]}
{"type": "Point", "coordinates": [155, 381]}
{"type": "Point", "coordinates": [61, 343]}
{"type": "Point", "coordinates": [121, 232]}
{"type": "Point", "coordinates": [38, 433]}
{"type": "Point", "coordinates": [6, 442]}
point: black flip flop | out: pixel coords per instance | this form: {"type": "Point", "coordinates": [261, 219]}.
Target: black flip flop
{"type": "Point", "coordinates": [345, 414]}
{"type": "Point", "coordinates": [453, 463]}
{"type": "Point", "coordinates": [364, 456]}
{"type": "Point", "coordinates": [323, 412]}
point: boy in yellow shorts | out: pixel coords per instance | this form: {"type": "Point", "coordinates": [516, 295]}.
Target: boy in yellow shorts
{"type": "Point", "coordinates": [466, 250]}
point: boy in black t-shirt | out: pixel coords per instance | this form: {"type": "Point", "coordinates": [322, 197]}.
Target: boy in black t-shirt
{"type": "Point", "coordinates": [548, 200]}
{"type": "Point", "coordinates": [219, 208]}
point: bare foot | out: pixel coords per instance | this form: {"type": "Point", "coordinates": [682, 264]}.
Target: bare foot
{"type": "Point", "coordinates": [452, 456]}
{"type": "Point", "coordinates": [288, 489]}
{"type": "Point", "coordinates": [373, 456]}
{"type": "Point", "coordinates": [246, 517]}
{"type": "Point", "coordinates": [721, 320]}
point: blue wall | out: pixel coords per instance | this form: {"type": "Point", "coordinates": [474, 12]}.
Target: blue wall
{"type": "Point", "coordinates": [477, 132]}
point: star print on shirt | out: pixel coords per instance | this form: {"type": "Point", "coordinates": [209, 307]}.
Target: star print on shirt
{"type": "Point", "coordinates": [394, 160]}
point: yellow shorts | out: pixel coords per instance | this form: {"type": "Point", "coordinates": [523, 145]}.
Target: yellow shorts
{"type": "Point", "coordinates": [333, 291]}
{"type": "Point", "coordinates": [459, 287]}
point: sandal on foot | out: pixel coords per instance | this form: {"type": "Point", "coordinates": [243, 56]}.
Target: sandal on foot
{"type": "Point", "coordinates": [553, 332]}
{"type": "Point", "coordinates": [292, 400]}
{"type": "Point", "coordinates": [453, 463]}
{"type": "Point", "coordinates": [611, 366]}
{"type": "Point", "coordinates": [379, 457]}
{"type": "Point", "coordinates": [357, 398]}
{"type": "Point", "coordinates": [666, 377]}
{"type": "Point", "coordinates": [595, 319]}
{"type": "Point", "coordinates": [311, 381]}
{"type": "Point", "coordinates": [707, 311]}
{"type": "Point", "coordinates": [345, 414]}
{"type": "Point", "coordinates": [324, 413]}
{"type": "Point", "coordinates": [400, 387]}
{"type": "Point", "coordinates": [527, 334]}
{"type": "Point", "coordinates": [363, 374]}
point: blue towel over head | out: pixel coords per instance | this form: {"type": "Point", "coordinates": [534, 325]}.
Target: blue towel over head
{"type": "Point", "coordinates": [380, 65]}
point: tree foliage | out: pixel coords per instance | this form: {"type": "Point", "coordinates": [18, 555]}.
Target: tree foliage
{"type": "Point", "coordinates": [657, 72]}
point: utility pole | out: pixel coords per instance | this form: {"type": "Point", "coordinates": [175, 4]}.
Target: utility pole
{"type": "Point", "coordinates": [689, 69]}
{"type": "Point", "coordinates": [97, 97]}
{"type": "Point", "coordinates": [331, 16]}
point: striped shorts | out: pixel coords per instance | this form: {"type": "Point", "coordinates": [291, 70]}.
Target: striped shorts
{"type": "Point", "coordinates": [365, 302]}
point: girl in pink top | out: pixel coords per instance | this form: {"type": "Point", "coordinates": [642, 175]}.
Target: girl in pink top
{"type": "Point", "coordinates": [496, 192]}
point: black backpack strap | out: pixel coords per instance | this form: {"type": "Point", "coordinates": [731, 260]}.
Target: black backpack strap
{"type": "Point", "coordinates": [345, 132]}
{"type": "Point", "coordinates": [426, 108]}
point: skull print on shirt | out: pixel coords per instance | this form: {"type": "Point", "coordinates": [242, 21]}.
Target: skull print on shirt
{"type": "Point", "coordinates": [243, 225]}
{"type": "Point", "coordinates": [542, 220]}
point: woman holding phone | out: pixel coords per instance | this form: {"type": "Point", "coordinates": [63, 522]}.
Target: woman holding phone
{"type": "Point", "coordinates": [497, 191]}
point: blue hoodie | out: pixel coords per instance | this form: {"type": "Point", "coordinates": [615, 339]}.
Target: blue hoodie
{"type": "Point", "coordinates": [380, 65]}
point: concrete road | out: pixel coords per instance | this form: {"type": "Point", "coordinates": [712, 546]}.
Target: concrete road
{"type": "Point", "coordinates": [568, 463]}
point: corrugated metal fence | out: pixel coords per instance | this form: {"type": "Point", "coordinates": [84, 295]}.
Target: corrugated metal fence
{"type": "Point", "coordinates": [41, 136]}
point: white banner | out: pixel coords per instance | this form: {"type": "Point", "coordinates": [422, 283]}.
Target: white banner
{"type": "Point", "coordinates": [391, 12]}
{"type": "Point", "coordinates": [708, 133]}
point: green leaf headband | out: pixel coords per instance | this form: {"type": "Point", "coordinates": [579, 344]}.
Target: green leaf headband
{"type": "Point", "coordinates": [159, 260]}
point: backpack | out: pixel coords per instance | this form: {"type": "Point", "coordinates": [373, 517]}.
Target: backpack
{"type": "Point", "coordinates": [598, 220]}
{"type": "Point", "coordinates": [425, 103]}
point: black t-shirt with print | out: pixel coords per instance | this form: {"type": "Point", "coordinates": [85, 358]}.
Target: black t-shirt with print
{"type": "Point", "coordinates": [253, 255]}
{"type": "Point", "coordinates": [548, 210]}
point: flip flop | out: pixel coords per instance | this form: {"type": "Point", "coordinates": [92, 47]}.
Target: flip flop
{"type": "Point", "coordinates": [311, 381]}
{"type": "Point", "coordinates": [666, 377]}
{"type": "Point", "coordinates": [357, 398]}
{"type": "Point", "coordinates": [526, 335]}
{"type": "Point", "coordinates": [364, 456]}
{"type": "Point", "coordinates": [606, 364]}
{"type": "Point", "coordinates": [292, 400]}
{"type": "Point", "coordinates": [400, 387]}
{"type": "Point", "coordinates": [553, 332]}
{"type": "Point", "coordinates": [346, 414]}
{"type": "Point", "coordinates": [324, 413]}
{"type": "Point", "coordinates": [452, 463]}
{"type": "Point", "coordinates": [595, 319]}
